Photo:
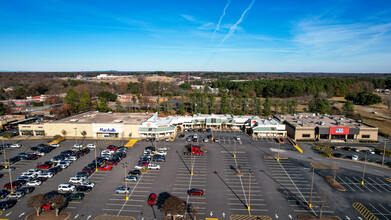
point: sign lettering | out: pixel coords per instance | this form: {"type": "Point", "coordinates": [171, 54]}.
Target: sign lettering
{"type": "Point", "coordinates": [107, 130]}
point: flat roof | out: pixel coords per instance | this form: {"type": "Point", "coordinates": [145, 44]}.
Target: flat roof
{"type": "Point", "coordinates": [318, 120]}
{"type": "Point", "coordinates": [101, 117]}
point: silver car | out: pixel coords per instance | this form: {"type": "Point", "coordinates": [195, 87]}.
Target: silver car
{"type": "Point", "coordinates": [122, 190]}
{"type": "Point", "coordinates": [16, 195]}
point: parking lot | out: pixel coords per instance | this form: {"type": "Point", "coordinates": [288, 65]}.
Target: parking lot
{"type": "Point", "coordinates": [263, 187]}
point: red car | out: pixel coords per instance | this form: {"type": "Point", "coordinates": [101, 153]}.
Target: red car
{"type": "Point", "coordinates": [106, 168]}
{"type": "Point", "coordinates": [47, 206]}
{"type": "Point", "coordinates": [112, 148]}
{"type": "Point", "coordinates": [195, 192]}
{"type": "Point", "coordinates": [15, 185]}
{"type": "Point", "coordinates": [152, 199]}
{"type": "Point", "coordinates": [45, 165]}
{"type": "Point", "coordinates": [144, 163]}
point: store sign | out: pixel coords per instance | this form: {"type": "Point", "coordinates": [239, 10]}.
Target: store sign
{"type": "Point", "coordinates": [107, 130]}
{"type": "Point", "coordinates": [339, 130]}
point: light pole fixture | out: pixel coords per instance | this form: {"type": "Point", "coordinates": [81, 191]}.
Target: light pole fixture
{"type": "Point", "coordinates": [363, 172]}
{"type": "Point", "coordinates": [124, 165]}
{"type": "Point", "coordinates": [249, 189]}
{"type": "Point", "coordinates": [75, 135]}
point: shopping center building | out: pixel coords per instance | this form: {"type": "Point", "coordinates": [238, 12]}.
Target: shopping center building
{"type": "Point", "coordinates": [309, 126]}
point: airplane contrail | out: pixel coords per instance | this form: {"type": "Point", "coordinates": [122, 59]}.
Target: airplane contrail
{"type": "Point", "coordinates": [221, 18]}
{"type": "Point", "coordinates": [235, 26]}
{"type": "Point", "coordinates": [231, 31]}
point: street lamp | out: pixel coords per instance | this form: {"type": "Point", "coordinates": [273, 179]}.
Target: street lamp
{"type": "Point", "coordinates": [278, 152]}
{"type": "Point", "coordinates": [124, 165]}
{"type": "Point", "coordinates": [363, 172]}
{"type": "Point", "coordinates": [249, 190]}
{"type": "Point", "coordinates": [234, 148]}
{"type": "Point", "coordinates": [75, 135]}
{"type": "Point", "coordinates": [384, 151]}
{"type": "Point", "coordinates": [96, 161]}
{"type": "Point", "coordinates": [312, 187]}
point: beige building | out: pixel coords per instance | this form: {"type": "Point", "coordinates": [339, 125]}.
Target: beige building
{"type": "Point", "coordinates": [309, 126]}
{"type": "Point", "coordinates": [91, 124]}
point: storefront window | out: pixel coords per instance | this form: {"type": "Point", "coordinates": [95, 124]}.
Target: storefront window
{"type": "Point", "coordinates": [40, 133]}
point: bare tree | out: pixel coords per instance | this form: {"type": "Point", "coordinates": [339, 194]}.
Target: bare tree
{"type": "Point", "coordinates": [84, 134]}
{"type": "Point", "coordinates": [57, 202]}
{"type": "Point", "coordinates": [36, 202]}
{"type": "Point", "coordinates": [387, 101]}
{"type": "Point", "coordinates": [324, 201]}
{"type": "Point", "coordinates": [64, 133]}
{"type": "Point", "coordinates": [173, 206]}
{"type": "Point", "coordinates": [334, 170]}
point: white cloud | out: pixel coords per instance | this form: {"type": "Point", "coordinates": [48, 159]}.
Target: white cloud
{"type": "Point", "coordinates": [189, 17]}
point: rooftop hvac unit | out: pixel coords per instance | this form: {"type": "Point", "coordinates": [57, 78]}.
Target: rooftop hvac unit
{"type": "Point", "coordinates": [110, 112]}
{"type": "Point", "coordinates": [118, 121]}
{"type": "Point", "coordinates": [321, 122]}
{"type": "Point", "coordinates": [74, 120]}
{"type": "Point", "coordinates": [87, 116]}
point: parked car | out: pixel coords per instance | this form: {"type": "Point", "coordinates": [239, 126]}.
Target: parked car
{"type": "Point", "coordinates": [26, 189]}
{"type": "Point", "coordinates": [153, 166]}
{"type": "Point", "coordinates": [16, 195]}
{"type": "Point", "coordinates": [88, 183]}
{"type": "Point", "coordinates": [106, 168]}
{"type": "Point", "coordinates": [368, 151]}
{"type": "Point", "coordinates": [15, 145]}
{"type": "Point", "coordinates": [34, 183]}
{"type": "Point", "coordinates": [139, 167]}
{"type": "Point", "coordinates": [46, 165]}
{"type": "Point", "coordinates": [4, 205]}
{"type": "Point", "coordinates": [92, 146]}
{"type": "Point", "coordinates": [77, 145]}
{"type": "Point", "coordinates": [122, 190]}
{"type": "Point", "coordinates": [4, 193]}
{"type": "Point", "coordinates": [135, 172]}
{"type": "Point", "coordinates": [216, 140]}
{"type": "Point", "coordinates": [195, 192]}
{"type": "Point", "coordinates": [55, 145]}
{"type": "Point", "coordinates": [167, 139]}
{"type": "Point", "coordinates": [205, 140]}
{"type": "Point", "coordinates": [163, 153]}
{"type": "Point", "coordinates": [354, 157]}
{"type": "Point", "coordinates": [76, 180]}
{"type": "Point", "coordinates": [152, 199]}
{"type": "Point", "coordinates": [66, 187]}
{"type": "Point", "coordinates": [131, 178]}
{"type": "Point", "coordinates": [82, 188]}
{"type": "Point", "coordinates": [15, 185]}
{"type": "Point", "coordinates": [46, 174]}
{"type": "Point", "coordinates": [76, 197]}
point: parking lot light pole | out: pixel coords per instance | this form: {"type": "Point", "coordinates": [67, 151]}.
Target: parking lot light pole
{"type": "Point", "coordinates": [5, 157]}
{"type": "Point", "coordinates": [312, 187]}
{"type": "Point", "coordinates": [278, 153]}
{"type": "Point", "coordinates": [96, 161]}
{"type": "Point", "coordinates": [249, 189]}
{"type": "Point", "coordinates": [384, 151]}
{"type": "Point", "coordinates": [363, 172]}
{"type": "Point", "coordinates": [192, 161]}
{"type": "Point", "coordinates": [75, 135]}
{"type": "Point", "coordinates": [124, 165]}
{"type": "Point", "coordinates": [235, 149]}
{"type": "Point", "coordinates": [9, 173]}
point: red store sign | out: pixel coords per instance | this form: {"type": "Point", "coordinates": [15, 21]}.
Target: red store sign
{"type": "Point", "coordinates": [339, 130]}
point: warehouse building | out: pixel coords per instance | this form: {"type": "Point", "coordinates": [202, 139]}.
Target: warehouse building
{"type": "Point", "coordinates": [309, 126]}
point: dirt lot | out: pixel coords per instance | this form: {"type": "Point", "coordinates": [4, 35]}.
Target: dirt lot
{"type": "Point", "coordinates": [128, 79]}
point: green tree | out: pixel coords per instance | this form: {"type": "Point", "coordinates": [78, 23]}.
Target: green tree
{"type": "Point", "coordinates": [119, 107]}
{"type": "Point", "coordinates": [276, 104]}
{"type": "Point", "coordinates": [72, 98]}
{"type": "Point", "coordinates": [267, 107]}
{"type": "Point", "coordinates": [321, 106]}
{"type": "Point", "coordinates": [85, 102]}
{"type": "Point", "coordinates": [185, 86]}
{"type": "Point", "coordinates": [348, 108]}
{"type": "Point", "coordinates": [224, 104]}
{"type": "Point", "coordinates": [283, 107]}
{"type": "Point", "coordinates": [364, 98]}
{"type": "Point", "coordinates": [2, 109]}
{"type": "Point", "coordinates": [107, 95]}
{"type": "Point", "coordinates": [102, 105]}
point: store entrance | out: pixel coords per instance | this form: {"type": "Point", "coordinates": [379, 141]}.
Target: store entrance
{"type": "Point", "coordinates": [107, 135]}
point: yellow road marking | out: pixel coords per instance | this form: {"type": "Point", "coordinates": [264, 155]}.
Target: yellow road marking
{"type": "Point", "coordinates": [131, 143]}
{"type": "Point", "coordinates": [364, 211]}
{"type": "Point", "coordinates": [388, 179]}
{"type": "Point", "coordinates": [250, 217]}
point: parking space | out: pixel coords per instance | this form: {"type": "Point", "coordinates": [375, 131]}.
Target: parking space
{"type": "Point", "coordinates": [296, 187]}
{"type": "Point", "coordinates": [372, 184]}
{"type": "Point", "coordinates": [242, 191]}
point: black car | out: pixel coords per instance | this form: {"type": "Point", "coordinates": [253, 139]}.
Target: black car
{"type": "Point", "coordinates": [42, 179]}
{"type": "Point", "coordinates": [1, 175]}
{"type": "Point", "coordinates": [338, 155]}
{"type": "Point", "coordinates": [23, 156]}
{"type": "Point", "coordinates": [120, 154]}
{"type": "Point", "coordinates": [208, 130]}
{"type": "Point", "coordinates": [152, 148]}
{"type": "Point", "coordinates": [4, 193]}
{"type": "Point", "coordinates": [76, 197]}
{"type": "Point", "coordinates": [135, 172]}
{"type": "Point", "coordinates": [31, 157]}
{"type": "Point", "coordinates": [85, 150]}
{"type": "Point", "coordinates": [14, 160]}
{"type": "Point", "coordinates": [67, 152]}
{"type": "Point", "coordinates": [7, 204]}
{"type": "Point", "coordinates": [81, 188]}
{"type": "Point", "coordinates": [27, 189]}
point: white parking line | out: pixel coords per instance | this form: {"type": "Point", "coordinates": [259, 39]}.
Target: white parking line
{"type": "Point", "coordinates": [355, 184]}
{"type": "Point", "coordinates": [378, 211]}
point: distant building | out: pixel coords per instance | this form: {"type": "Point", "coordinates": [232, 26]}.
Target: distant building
{"type": "Point", "coordinates": [309, 126]}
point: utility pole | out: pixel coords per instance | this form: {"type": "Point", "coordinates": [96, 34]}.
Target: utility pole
{"type": "Point", "coordinates": [363, 173]}
{"type": "Point", "coordinates": [124, 165]}
{"type": "Point", "coordinates": [384, 151]}
{"type": "Point", "coordinates": [312, 187]}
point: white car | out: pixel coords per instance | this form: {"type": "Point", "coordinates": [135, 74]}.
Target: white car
{"type": "Point", "coordinates": [354, 157]}
{"type": "Point", "coordinates": [46, 175]}
{"type": "Point", "coordinates": [237, 138]}
{"type": "Point", "coordinates": [88, 183]}
{"type": "Point", "coordinates": [28, 174]}
{"type": "Point", "coordinates": [122, 190]}
{"type": "Point", "coordinates": [15, 145]}
{"type": "Point", "coordinates": [73, 158]}
{"type": "Point", "coordinates": [206, 140]}
{"type": "Point", "coordinates": [66, 187]}
{"type": "Point", "coordinates": [163, 153]}
{"type": "Point", "coordinates": [162, 148]}
{"type": "Point", "coordinates": [55, 145]}
{"type": "Point", "coordinates": [15, 195]}
{"type": "Point", "coordinates": [76, 180]}
{"type": "Point", "coordinates": [167, 139]}
{"type": "Point", "coordinates": [131, 178]}
{"type": "Point", "coordinates": [34, 183]}
{"type": "Point", "coordinates": [78, 146]}
{"type": "Point", "coordinates": [63, 165]}
{"type": "Point", "coordinates": [153, 166]}
{"type": "Point", "coordinates": [139, 167]}
{"type": "Point", "coordinates": [107, 152]}
{"type": "Point", "coordinates": [37, 171]}
{"type": "Point", "coordinates": [92, 146]}
{"type": "Point", "coordinates": [39, 153]}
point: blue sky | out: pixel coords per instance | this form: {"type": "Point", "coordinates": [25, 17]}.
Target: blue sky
{"type": "Point", "coordinates": [171, 35]}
